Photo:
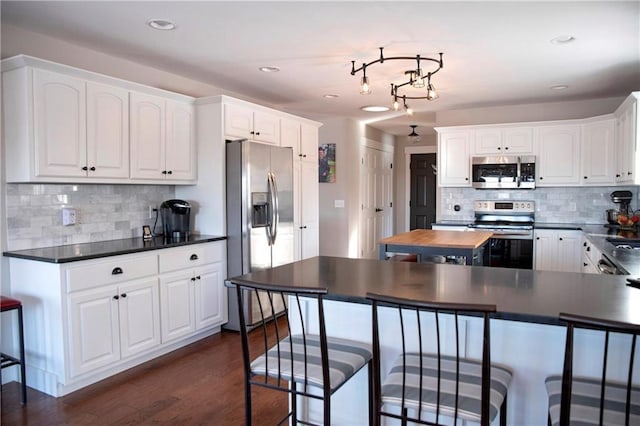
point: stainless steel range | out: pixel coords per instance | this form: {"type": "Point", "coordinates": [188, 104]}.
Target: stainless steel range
{"type": "Point", "coordinates": [512, 224]}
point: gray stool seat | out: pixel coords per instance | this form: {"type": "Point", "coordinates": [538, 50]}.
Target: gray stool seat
{"type": "Point", "coordinates": [585, 401]}
{"type": "Point", "coordinates": [470, 381]}
{"type": "Point", "coordinates": [346, 357]}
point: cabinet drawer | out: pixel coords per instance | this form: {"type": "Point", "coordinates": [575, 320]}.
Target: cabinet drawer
{"type": "Point", "coordinates": [187, 257]}
{"type": "Point", "coordinates": [112, 270]}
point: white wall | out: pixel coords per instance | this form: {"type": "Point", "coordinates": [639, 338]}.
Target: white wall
{"type": "Point", "coordinates": [339, 226]}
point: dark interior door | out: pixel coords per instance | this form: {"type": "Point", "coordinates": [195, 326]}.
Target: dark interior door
{"type": "Point", "coordinates": [423, 191]}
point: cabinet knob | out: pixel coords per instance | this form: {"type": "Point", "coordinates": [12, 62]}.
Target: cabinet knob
{"type": "Point", "coordinates": [170, 172]}
{"type": "Point", "coordinates": [584, 264]}
{"type": "Point", "coordinates": [506, 147]}
{"type": "Point", "coordinates": [629, 173]}
{"type": "Point", "coordinates": [540, 177]}
{"type": "Point", "coordinates": [586, 177]}
{"type": "Point", "coordinates": [198, 277]}
{"type": "Point", "coordinates": [252, 132]}
{"type": "Point", "coordinates": [537, 238]}
{"type": "Point", "coordinates": [123, 295]}
{"type": "Point", "coordinates": [193, 279]}
{"type": "Point", "coordinates": [85, 168]}
{"type": "Point", "coordinates": [499, 148]}
{"type": "Point", "coordinates": [305, 155]}
{"type": "Point", "coordinates": [194, 257]}
{"type": "Point", "coordinates": [116, 297]}
{"type": "Point", "coordinates": [116, 271]}
{"type": "Point", "coordinates": [257, 133]}
{"type": "Point", "coordinates": [466, 178]}
{"type": "Point", "coordinates": [588, 248]}
{"type": "Point", "coordinates": [93, 169]}
{"type": "Point", "coordinates": [164, 172]}
{"type": "Point", "coordinates": [560, 238]}
{"type": "Point", "coordinates": [617, 176]}
{"type": "Point", "coordinates": [378, 210]}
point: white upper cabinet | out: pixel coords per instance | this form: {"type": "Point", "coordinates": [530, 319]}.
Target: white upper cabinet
{"type": "Point", "coordinates": [244, 122]}
{"type": "Point", "coordinates": [598, 152]}
{"type": "Point", "coordinates": [626, 139]}
{"type": "Point", "coordinates": [107, 131]}
{"type": "Point", "coordinates": [73, 126]}
{"type": "Point", "coordinates": [59, 124]}
{"type": "Point", "coordinates": [453, 158]}
{"type": "Point", "coordinates": [503, 141]}
{"type": "Point", "coordinates": [558, 155]}
{"type": "Point", "coordinates": [162, 139]}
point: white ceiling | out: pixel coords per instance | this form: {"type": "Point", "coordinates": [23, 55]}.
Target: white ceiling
{"type": "Point", "coordinates": [495, 53]}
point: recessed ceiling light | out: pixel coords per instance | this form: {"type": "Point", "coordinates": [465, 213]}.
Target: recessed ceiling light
{"type": "Point", "coordinates": [563, 39]}
{"type": "Point", "coordinates": [559, 87]}
{"type": "Point", "coordinates": [375, 108]}
{"type": "Point", "coordinates": [331, 96]}
{"type": "Point", "coordinates": [269, 69]}
{"type": "Point", "coordinates": [161, 24]}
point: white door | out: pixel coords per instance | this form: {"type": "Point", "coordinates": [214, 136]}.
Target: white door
{"type": "Point", "coordinates": [209, 296]}
{"type": "Point", "coordinates": [139, 316]}
{"type": "Point", "coordinates": [453, 158]}
{"type": "Point", "coordinates": [60, 124]}
{"type": "Point", "coordinates": [181, 141]}
{"type": "Point", "coordinates": [94, 329]}
{"type": "Point", "coordinates": [559, 147]}
{"type": "Point", "coordinates": [309, 207]}
{"type": "Point", "coordinates": [147, 137]}
{"type": "Point", "coordinates": [376, 196]}
{"type": "Point", "coordinates": [107, 131]}
{"type": "Point", "coordinates": [177, 305]}
{"type": "Point", "coordinates": [569, 251]}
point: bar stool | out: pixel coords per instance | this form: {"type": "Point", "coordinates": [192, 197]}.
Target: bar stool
{"type": "Point", "coordinates": [9, 304]}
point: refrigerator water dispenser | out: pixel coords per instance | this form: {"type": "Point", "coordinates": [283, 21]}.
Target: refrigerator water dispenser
{"type": "Point", "coordinates": [260, 212]}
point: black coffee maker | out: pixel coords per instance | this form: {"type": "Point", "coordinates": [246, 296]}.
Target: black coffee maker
{"type": "Point", "coordinates": [176, 219]}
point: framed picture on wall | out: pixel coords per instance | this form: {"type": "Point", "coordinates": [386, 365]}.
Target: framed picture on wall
{"type": "Point", "coordinates": [327, 163]}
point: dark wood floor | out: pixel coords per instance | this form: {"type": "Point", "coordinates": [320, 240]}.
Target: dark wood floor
{"type": "Point", "coordinates": [201, 384]}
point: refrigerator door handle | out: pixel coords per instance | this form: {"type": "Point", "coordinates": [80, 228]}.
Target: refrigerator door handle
{"type": "Point", "coordinates": [275, 211]}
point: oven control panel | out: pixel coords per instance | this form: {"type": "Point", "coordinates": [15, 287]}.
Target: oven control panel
{"type": "Point", "coordinates": [493, 206]}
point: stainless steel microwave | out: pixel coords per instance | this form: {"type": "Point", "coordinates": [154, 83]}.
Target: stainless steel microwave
{"type": "Point", "coordinates": [504, 172]}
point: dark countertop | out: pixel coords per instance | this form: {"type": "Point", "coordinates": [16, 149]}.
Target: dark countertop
{"type": "Point", "coordinates": [521, 295]}
{"type": "Point", "coordinates": [85, 251]}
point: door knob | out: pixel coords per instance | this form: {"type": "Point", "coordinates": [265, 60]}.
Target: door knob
{"type": "Point", "coordinates": [378, 210]}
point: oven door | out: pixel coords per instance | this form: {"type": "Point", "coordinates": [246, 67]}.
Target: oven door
{"type": "Point", "coordinates": [511, 251]}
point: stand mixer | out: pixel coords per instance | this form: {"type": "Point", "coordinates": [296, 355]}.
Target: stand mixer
{"type": "Point", "coordinates": [623, 199]}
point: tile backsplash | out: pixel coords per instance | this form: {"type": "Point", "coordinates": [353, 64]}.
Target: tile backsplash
{"type": "Point", "coordinates": [553, 205]}
{"type": "Point", "coordinates": [103, 212]}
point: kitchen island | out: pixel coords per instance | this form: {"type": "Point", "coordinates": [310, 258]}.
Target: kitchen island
{"type": "Point", "coordinates": [428, 242]}
{"type": "Point", "coordinates": [525, 332]}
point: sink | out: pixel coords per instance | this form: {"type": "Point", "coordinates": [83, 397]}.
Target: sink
{"type": "Point", "coordinates": [625, 243]}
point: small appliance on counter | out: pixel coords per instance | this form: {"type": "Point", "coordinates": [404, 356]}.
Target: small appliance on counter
{"type": "Point", "coordinates": [621, 217]}
{"type": "Point", "coordinates": [176, 219]}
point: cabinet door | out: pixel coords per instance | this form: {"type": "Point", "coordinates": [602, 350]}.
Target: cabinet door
{"type": "Point", "coordinates": [210, 297]}
{"type": "Point", "coordinates": [94, 330]}
{"type": "Point", "coordinates": [181, 141]}
{"type": "Point", "coordinates": [309, 143]}
{"type": "Point", "coordinates": [518, 140]}
{"type": "Point", "coordinates": [488, 141]}
{"type": "Point", "coordinates": [626, 141]}
{"type": "Point", "coordinates": [559, 154]}
{"type": "Point", "coordinates": [60, 128]}
{"type": "Point", "coordinates": [309, 208]}
{"type": "Point", "coordinates": [139, 305]}
{"type": "Point", "coordinates": [546, 248]}
{"type": "Point", "coordinates": [107, 131]}
{"type": "Point", "coordinates": [238, 122]}
{"type": "Point", "coordinates": [147, 136]}
{"type": "Point", "coordinates": [176, 305]}
{"type": "Point", "coordinates": [290, 136]}
{"type": "Point", "coordinates": [266, 128]}
{"type": "Point", "coordinates": [598, 153]}
{"type": "Point", "coordinates": [569, 251]}
{"type": "Point", "coordinates": [453, 159]}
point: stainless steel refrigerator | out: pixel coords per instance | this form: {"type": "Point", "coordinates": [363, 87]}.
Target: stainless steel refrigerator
{"type": "Point", "coordinates": [259, 217]}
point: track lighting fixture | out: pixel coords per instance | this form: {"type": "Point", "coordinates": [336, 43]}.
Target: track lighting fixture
{"type": "Point", "coordinates": [416, 78]}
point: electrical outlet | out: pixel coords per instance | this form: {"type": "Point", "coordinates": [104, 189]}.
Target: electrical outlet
{"type": "Point", "coordinates": [152, 213]}
{"type": "Point", "coordinates": [68, 216]}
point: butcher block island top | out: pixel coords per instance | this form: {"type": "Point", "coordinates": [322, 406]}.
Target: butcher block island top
{"type": "Point", "coordinates": [433, 238]}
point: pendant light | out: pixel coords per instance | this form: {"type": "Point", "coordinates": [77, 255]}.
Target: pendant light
{"type": "Point", "coordinates": [413, 137]}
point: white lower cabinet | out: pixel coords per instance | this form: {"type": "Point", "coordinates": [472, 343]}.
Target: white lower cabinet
{"type": "Point", "coordinates": [88, 320]}
{"type": "Point", "coordinates": [113, 322]}
{"type": "Point", "coordinates": [192, 296]}
{"type": "Point", "coordinates": [558, 250]}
